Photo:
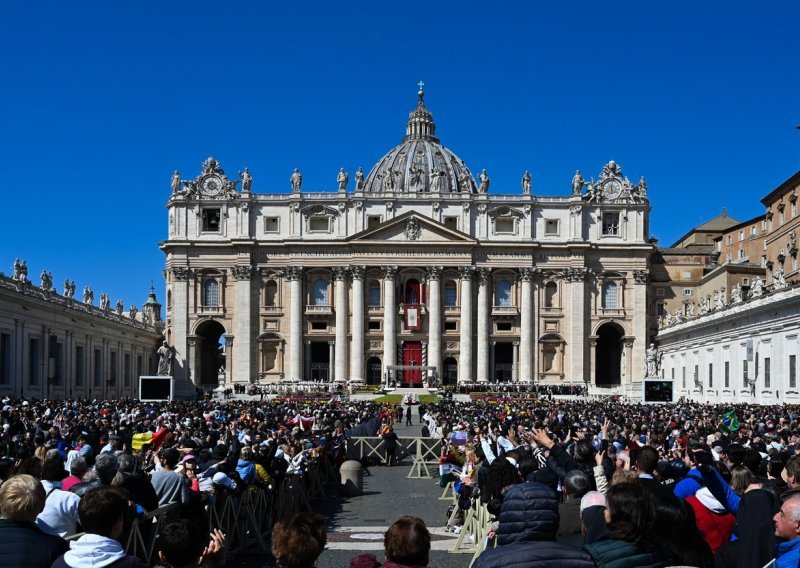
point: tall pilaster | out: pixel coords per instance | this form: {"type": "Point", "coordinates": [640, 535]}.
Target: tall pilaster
{"type": "Point", "coordinates": [483, 324]}
{"type": "Point", "coordinates": [465, 339]}
{"type": "Point", "coordinates": [435, 319]}
{"type": "Point", "coordinates": [183, 363]}
{"type": "Point", "coordinates": [640, 330]}
{"type": "Point", "coordinates": [331, 358]}
{"type": "Point", "coordinates": [243, 330]}
{"type": "Point", "coordinates": [526, 327]}
{"type": "Point", "coordinates": [294, 275]}
{"type": "Point", "coordinates": [389, 317]}
{"type": "Point", "coordinates": [342, 313]}
{"type": "Point", "coordinates": [576, 277]}
{"type": "Point", "coordinates": [357, 325]}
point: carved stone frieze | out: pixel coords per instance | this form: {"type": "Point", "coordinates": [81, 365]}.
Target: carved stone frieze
{"type": "Point", "coordinates": [375, 344]}
{"type": "Point", "coordinates": [577, 274]}
{"type": "Point", "coordinates": [242, 272]}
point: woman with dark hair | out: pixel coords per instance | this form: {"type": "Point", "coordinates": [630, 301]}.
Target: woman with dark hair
{"type": "Point", "coordinates": [297, 541]}
{"type": "Point", "coordinates": [631, 542]}
{"type": "Point", "coordinates": [676, 522]}
{"type": "Point", "coordinates": [755, 532]}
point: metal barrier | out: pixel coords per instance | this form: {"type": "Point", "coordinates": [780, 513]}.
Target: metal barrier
{"type": "Point", "coordinates": [144, 531]}
{"type": "Point", "coordinates": [424, 453]}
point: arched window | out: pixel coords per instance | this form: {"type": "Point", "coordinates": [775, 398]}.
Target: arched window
{"type": "Point", "coordinates": [270, 293]}
{"type": "Point", "coordinates": [319, 293]}
{"type": "Point", "coordinates": [412, 292]}
{"type": "Point", "coordinates": [504, 293]}
{"type": "Point", "coordinates": [374, 298]}
{"type": "Point", "coordinates": [550, 291]}
{"type": "Point", "coordinates": [610, 296]}
{"type": "Point", "coordinates": [211, 293]}
{"type": "Point", "coordinates": [450, 295]}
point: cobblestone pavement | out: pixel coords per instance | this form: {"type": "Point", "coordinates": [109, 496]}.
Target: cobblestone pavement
{"type": "Point", "coordinates": [356, 525]}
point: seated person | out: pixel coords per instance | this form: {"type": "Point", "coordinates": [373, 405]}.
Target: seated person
{"type": "Point", "coordinates": [22, 544]}
{"type": "Point", "coordinates": [101, 512]}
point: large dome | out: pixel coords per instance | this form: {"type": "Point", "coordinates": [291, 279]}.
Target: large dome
{"type": "Point", "coordinates": [420, 164]}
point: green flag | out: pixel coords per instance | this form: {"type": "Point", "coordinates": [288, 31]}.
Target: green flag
{"type": "Point", "coordinates": [730, 422]}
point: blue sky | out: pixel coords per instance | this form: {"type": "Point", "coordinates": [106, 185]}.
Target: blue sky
{"type": "Point", "coordinates": [101, 101]}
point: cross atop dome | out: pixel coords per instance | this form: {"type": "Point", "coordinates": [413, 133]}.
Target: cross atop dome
{"type": "Point", "coordinates": [420, 120]}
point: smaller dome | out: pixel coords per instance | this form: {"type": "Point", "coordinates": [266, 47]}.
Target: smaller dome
{"type": "Point", "coordinates": [420, 164]}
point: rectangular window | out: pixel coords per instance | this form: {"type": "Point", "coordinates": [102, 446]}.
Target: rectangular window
{"type": "Point", "coordinates": [661, 309]}
{"type": "Point", "coordinates": [272, 225]}
{"type": "Point", "coordinates": [319, 224]}
{"type": "Point", "coordinates": [551, 227]}
{"type": "Point", "coordinates": [686, 275]}
{"type": "Point", "coordinates": [727, 374]}
{"type": "Point", "coordinates": [374, 325]}
{"type": "Point", "coordinates": [450, 294]}
{"type": "Point", "coordinates": [745, 282]}
{"type": "Point", "coordinates": [34, 361]}
{"type": "Point", "coordinates": [211, 220]}
{"type": "Point", "coordinates": [451, 223]}
{"type": "Point", "coordinates": [373, 221]}
{"type": "Point", "coordinates": [683, 376]}
{"type": "Point", "coordinates": [741, 235]}
{"type": "Point", "coordinates": [80, 366]}
{"type": "Point", "coordinates": [450, 326]}
{"type": "Point", "coordinates": [711, 375]}
{"type": "Point", "coordinates": [126, 370]}
{"type": "Point", "coordinates": [5, 358]}
{"type": "Point", "coordinates": [98, 368]}
{"type": "Point", "coordinates": [767, 362]}
{"type": "Point", "coordinates": [687, 291]}
{"type": "Point", "coordinates": [741, 254]}
{"type": "Point", "coordinates": [113, 376]}
{"type": "Point", "coordinates": [744, 373]}
{"type": "Point", "coordinates": [792, 371]}
{"type": "Point", "coordinates": [57, 353]}
{"type": "Point", "coordinates": [503, 326]}
{"type": "Point", "coordinates": [374, 298]}
{"type": "Point", "coordinates": [611, 224]}
{"type": "Point", "coordinates": [505, 226]}
{"type": "Point", "coordinates": [730, 239]}
{"type": "Point", "coordinates": [754, 231]}
{"type": "Point", "coordinates": [610, 297]}
{"type": "Point", "coordinates": [319, 325]}
{"type": "Point", "coordinates": [696, 376]}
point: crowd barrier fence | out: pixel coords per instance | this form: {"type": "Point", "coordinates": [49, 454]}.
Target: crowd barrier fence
{"type": "Point", "coordinates": [424, 453]}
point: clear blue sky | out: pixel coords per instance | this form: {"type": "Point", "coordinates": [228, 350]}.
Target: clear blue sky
{"type": "Point", "coordinates": [101, 101]}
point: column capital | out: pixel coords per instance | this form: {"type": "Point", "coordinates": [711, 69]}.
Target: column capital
{"type": "Point", "coordinates": [389, 272]}
{"type": "Point", "coordinates": [484, 273]}
{"type": "Point", "coordinates": [433, 272]}
{"type": "Point", "coordinates": [528, 274]}
{"type": "Point", "coordinates": [515, 343]}
{"type": "Point", "coordinates": [357, 271]}
{"type": "Point", "coordinates": [242, 272]}
{"type": "Point", "coordinates": [331, 343]}
{"type": "Point", "coordinates": [228, 339]}
{"type": "Point", "coordinates": [641, 276]}
{"type": "Point", "coordinates": [340, 272]}
{"type": "Point", "coordinates": [180, 272]}
{"type": "Point", "coordinates": [293, 272]}
{"type": "Point", "coordinates": [465, 272]}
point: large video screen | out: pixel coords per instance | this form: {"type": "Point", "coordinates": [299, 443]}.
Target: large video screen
{"type": "Point", "coordinates": [657, 391]}
{"type": "Point", "coordinates": [155, 388]}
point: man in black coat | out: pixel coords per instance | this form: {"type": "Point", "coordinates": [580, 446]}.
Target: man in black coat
{"type": "Point", "coordinates": [646, 464]}
{"type": "Point", "coordinates": [390, 445]}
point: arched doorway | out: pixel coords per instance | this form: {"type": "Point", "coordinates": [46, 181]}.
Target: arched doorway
{"type": "Point", "coordinates": [211, 355]}
{"type": "Point", "coordinates": [449, 372]}
{"type": "Point", "coordinates": [608, 356]}
{"type": "Point", "coordinates": [374, 371]}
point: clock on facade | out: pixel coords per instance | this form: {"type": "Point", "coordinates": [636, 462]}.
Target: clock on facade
{"type": "Point", "coordinates": [612, 189]}
{"type": "Point", "coordinates": [211, 186]}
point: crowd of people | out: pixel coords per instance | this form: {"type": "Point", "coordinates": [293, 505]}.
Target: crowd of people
{"type": "Point", "coordinates": [525, 389]}
{"type": "Point", "coordinates": [568, 482]}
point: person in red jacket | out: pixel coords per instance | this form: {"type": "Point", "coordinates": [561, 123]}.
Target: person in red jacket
{"type": "Point", "coordinates": [713, 519]}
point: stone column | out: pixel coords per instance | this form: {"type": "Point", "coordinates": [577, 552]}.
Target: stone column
{"type": "Point", "coordinates": [243, 330]}
{"type": "Point", "coordinates": [639, 320]}
{"type": "Point", "coordinates": [342, 313]}
{"type": "Point", "coordinates": [389, 317]}
{"type": "Point", "coordinates": [515, 362]}
{"type": "Point", "coordinates": [230, 357]}
{"type": "Point", "coordinates": [182, 364]}
{"type": "Point", "coordinates": [357, 326]}
{"type": "Point", "coordinates": [191, 359]}
{"type": "Point", "coordinates": [465, 338]}
{"type": "Point", "coordinates": [435, 319]}
{"type": "Point", "coordinates": [331, 360]}
{"type": "Point", "coordinates": [295, 274]}
{"type": "Point", "coordinates": [483, 325]}
{"type": "Point", "coordinates": [525, 372]}
{"type": "Point", "coordinates": [576, 277]}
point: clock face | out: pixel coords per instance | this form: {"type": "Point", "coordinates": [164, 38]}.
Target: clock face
{"type": "Point", "coordinates": [211, 186]}
{"type": "Point", "coordinates": [612, 189]}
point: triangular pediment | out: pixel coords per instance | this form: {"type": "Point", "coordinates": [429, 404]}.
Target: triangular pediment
{"type": "Point", "coordinates": [413, 228]}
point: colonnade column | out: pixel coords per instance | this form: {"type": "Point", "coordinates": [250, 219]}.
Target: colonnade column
{"type": "Point", "coordinates": [576, 277]}
{"type": "Point", "coordinates": [525, 371]}
{"type": "Point", "coordinates": [331, 358]}
{"type": "Point", "coordinates": [483, 325]}
{"type": "Point", "coordinates": [389, 317]}
{"type": "Point", "coordinates": [183, 365]}
{"type": "Point", "coordinates": [465, 339]}
{"type": "Point", "coordinates": [342, 313]}
{"type": "Point", "coordinates": [243, 331]}
{"type": "Point", "coordinates": [357, 326]}
{"type": "Point", "coordinates": [294, 274]}
{"type": "Point", "coordinates": [435, 320]}
{"type": "Point", "coordinates": [515, 362]}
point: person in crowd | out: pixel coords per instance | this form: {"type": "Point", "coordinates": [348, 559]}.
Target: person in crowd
{"type": "Point", "coordinates": [60, 514]}
{"type": "Point", "coordinates": [22, 543]}
{"type": "Point", "coordinates": [646, 463]}
{"type": "Point", "coordinates": [245, 466]}
{"type": "Point", "coordinates": [390, 443]}
{"type": "Point", "coordinates": [675, 522]}
{"type": "Point", "coordinates": [102, 511]}
{"type": "Point", "coordinates": [298, 540]}
{"type": "Point", "coordinates": [136, 483]}
{"type": "Point", "coordinates": [106, 468]}
{"type": "Point", "coordinates": [185, 544]}
{"type": "Point", "coordinates": [77, 469]}
{"type": "Point", "coordinates": [741, 478]}
{"type": "Point", "coordinates": [632, 541]}
{"type": "Point", "coordinates": [787, 529]}
{"type": "Point", "coordinates": [576, 484]}
{"type": "Point", "coordinates": [755, 543]}
{"type": "Point", "coordinates": [407, 544]}
{"type": "Point", "coordinates": [170, 486]}
{"type": "Point", "coordinates": [528, 523]}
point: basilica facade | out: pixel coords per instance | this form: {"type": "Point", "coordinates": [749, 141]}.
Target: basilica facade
{"type": "Point", "coordinates": [416, 271]}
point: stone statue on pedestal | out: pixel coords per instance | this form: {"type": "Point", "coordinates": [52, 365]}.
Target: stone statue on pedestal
{"type": "Point", "coordinates": [297, 180]}
{"type": "Point", "coordinates": [758, 287]}
{"type": "Point", "coordinates": [653, 360]}
{"type": "Point", "coordinates": [247, 180]}
{"type": "Point", "coordinates": [577, 183]}
{"type": "Point", "coordinates": [175, 183]}
{"type": "Point", "coordinates": [359, 179]}
{"type": "Point", "coordinates": [132, 311]}
{"type": "Point", "coordinates": [47, 280]}
{"type": "Point", "coordinates": [88, 295]}
{"type": "Point", "coordinates": [164, 360]}
{"type": "Point", "coordinates": [341, 179]}
{"type": "Point", "coordinates": [526, 183]}
{"type": "Point", "coordinates": [484, 182]}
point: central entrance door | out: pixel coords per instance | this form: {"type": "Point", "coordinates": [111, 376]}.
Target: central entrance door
{"type": "Point", "coordinates": [412, 355]}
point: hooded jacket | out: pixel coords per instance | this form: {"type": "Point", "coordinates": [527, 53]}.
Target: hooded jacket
{"type": "Point", "coordinates": [527, 531]}
{"type": "Point", "coordinates": [98, 552]}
